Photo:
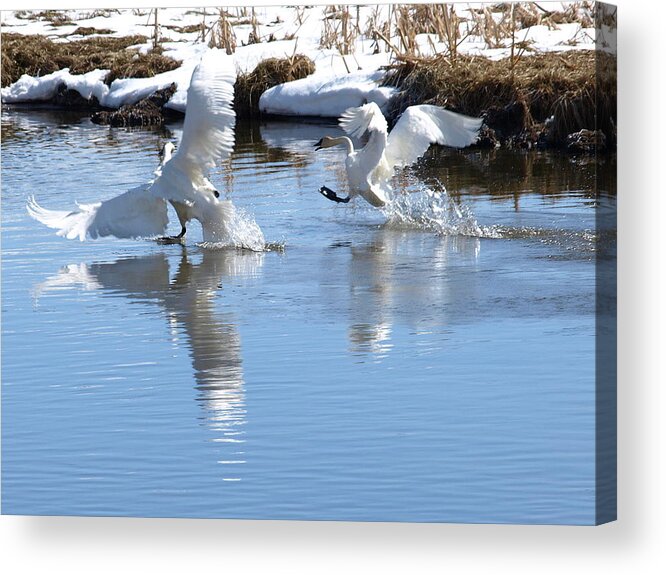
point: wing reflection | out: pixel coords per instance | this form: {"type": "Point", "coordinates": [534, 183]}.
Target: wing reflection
{"type": "Point", "coordinates": [382, 278]}
{"type": "Point", "coordinates": [189, 300]}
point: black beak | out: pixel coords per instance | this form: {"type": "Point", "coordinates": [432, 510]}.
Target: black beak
{"type": "Point", "coordinates": [317, 146]}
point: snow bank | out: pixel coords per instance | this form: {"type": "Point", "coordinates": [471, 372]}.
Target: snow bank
{"type": "Point", "coordinates": [325, 95]}
{"type": "Point", "coordinates": [284, 31]}
{"type": "Point", "coordinates": [131, 90]}
{"type": "Point", "coordinates": [121, 92]}
{"type": "Point", "coordinates": [30, 89]}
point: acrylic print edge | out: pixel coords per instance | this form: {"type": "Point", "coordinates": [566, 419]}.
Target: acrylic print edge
{"type": "Point", "coordinates": [606, 276]}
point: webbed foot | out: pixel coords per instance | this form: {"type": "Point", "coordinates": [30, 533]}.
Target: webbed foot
{"type": "Point", "coordinates": [329, 194]}
{"type": "Point", "coordinates": [173, 239]}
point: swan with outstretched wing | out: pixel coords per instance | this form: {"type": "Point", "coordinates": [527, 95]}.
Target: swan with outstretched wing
{"type": "Point", "coordinates": [208, 138]}
{"type": "Point", "coordinates": [370, 168]}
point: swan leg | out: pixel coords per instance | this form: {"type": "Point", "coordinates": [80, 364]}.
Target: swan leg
{"type": "Point", "coordinates": [173, 239]}
{"type": "Point", "coordinates": [331, 195]}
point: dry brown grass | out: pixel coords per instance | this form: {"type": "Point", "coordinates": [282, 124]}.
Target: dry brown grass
{"type": "Point", "coordinates": [340, 29]}
{"type": "Point", "coordinates": [569, 86]}
{"type": "Point", "coordinates": [500, 25]}
{"type": "Point", "coordinates": [36, 56]}
{"type": "Point", "coordinates": [268, 73]}
{"type": "Point", "coordinates": [222, 34]}
{"type": "Point", "coordinates": [56, 17]}
{"type": "Point", "coordinates": [90, 30]}
{"type": "Point", "coordinates": [188, 29]}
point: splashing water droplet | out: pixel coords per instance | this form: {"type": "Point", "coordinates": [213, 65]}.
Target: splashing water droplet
{"type": "Point", "coordinates": [230, 226]}
{"type": "Point", "coordinates": [434, 210]}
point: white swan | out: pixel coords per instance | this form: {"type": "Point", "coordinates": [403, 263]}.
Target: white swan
{"type": "Point", "coordinates": [369, 169]}
{"type": "Point", "coordinates": [208, 137]}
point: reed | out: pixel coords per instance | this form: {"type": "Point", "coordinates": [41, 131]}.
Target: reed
{"type": "Point", "coordinates": [338, 29]}
{"type": "Point", "coordinates": [300, 15]}
{"type": "Point", "coordinates": [447, 26]}
{"type": "Point", "coordinates": [377, 29]}
{"type": "Point", "coordinates": [90, 30]}
{"type": "Point", "coordinates": [406, 29]}
{"type": "Point", "coordinates": [222, 34]}
{"type": "Point", "coordinates": [156, 28]}
{"type": "Point", "coordinates": [254, 36]}
{"type": "Point", "coordinates": [407, 22]}
{"type": "Point", "coordinates": [56, 17]}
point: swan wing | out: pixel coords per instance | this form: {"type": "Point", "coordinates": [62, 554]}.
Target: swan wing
{"type": "Point", "coordinates": [136, 213]}
{"type": "Point", "coordinates": [366, 118]}
{"type": "Point", "coordinates": [421, 126]}
{"type": "Point", "coordinates": [208, 130]}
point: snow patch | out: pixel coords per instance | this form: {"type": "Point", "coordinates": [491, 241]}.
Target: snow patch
{"type": "Point", "coordinates": [325, 95]}
{"type": "Point", "coordinates": [29, 88]}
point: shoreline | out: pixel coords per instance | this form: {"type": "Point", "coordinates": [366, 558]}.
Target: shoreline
{"type": "Point", "coordinates": [528, 97]}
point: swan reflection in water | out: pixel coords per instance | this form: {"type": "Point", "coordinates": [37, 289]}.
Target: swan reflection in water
{"type": "Point", "coordinates": [189, 302]}
{"type": "Point", "coordinates": [378, 284]}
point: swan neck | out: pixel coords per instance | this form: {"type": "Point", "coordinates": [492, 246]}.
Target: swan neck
{"type": "Point", "coordinates": [166, 154]}
{"type": "Point", "coordinates": [344, 141]}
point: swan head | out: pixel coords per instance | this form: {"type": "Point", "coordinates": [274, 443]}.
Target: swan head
{"type": "Point", "coordinates": [326, 142]}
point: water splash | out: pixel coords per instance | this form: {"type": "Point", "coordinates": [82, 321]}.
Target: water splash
{"type": "Point", "coordinates": [583, 242]}
{"type": "Point", "coordinates": [231, 226]}
{"type": "Point", "coordinates": [434, 210]}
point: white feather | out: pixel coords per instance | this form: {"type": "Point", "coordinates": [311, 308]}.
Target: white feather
{"type": "Point", "coordinates": [208, 130]}
{"type": "Point", "coordinates": [136, 213]}
{"type": "Point", "coordinates": [366, 118]}
{"type": "Point", "coordinates": [370, 168]}
{"type": "Point", "coordinates": [421, 126]}
{"type": "Point", "coordinates": [208, 137]}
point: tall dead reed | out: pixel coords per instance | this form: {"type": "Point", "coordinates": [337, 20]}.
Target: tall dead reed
{"type": "Point", "coordinates": [339, 30]}
{"type": "Point", "coordinates": [222, 34]}
{"type": "Point", "coordinates": [407, 22]}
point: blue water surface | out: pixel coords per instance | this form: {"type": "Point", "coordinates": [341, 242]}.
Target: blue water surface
{"type": "Point", "coordinates": [364, 370]}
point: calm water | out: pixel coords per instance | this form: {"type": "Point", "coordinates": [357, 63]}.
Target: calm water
{"type": "Point", "coordinates": [438, 367]}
